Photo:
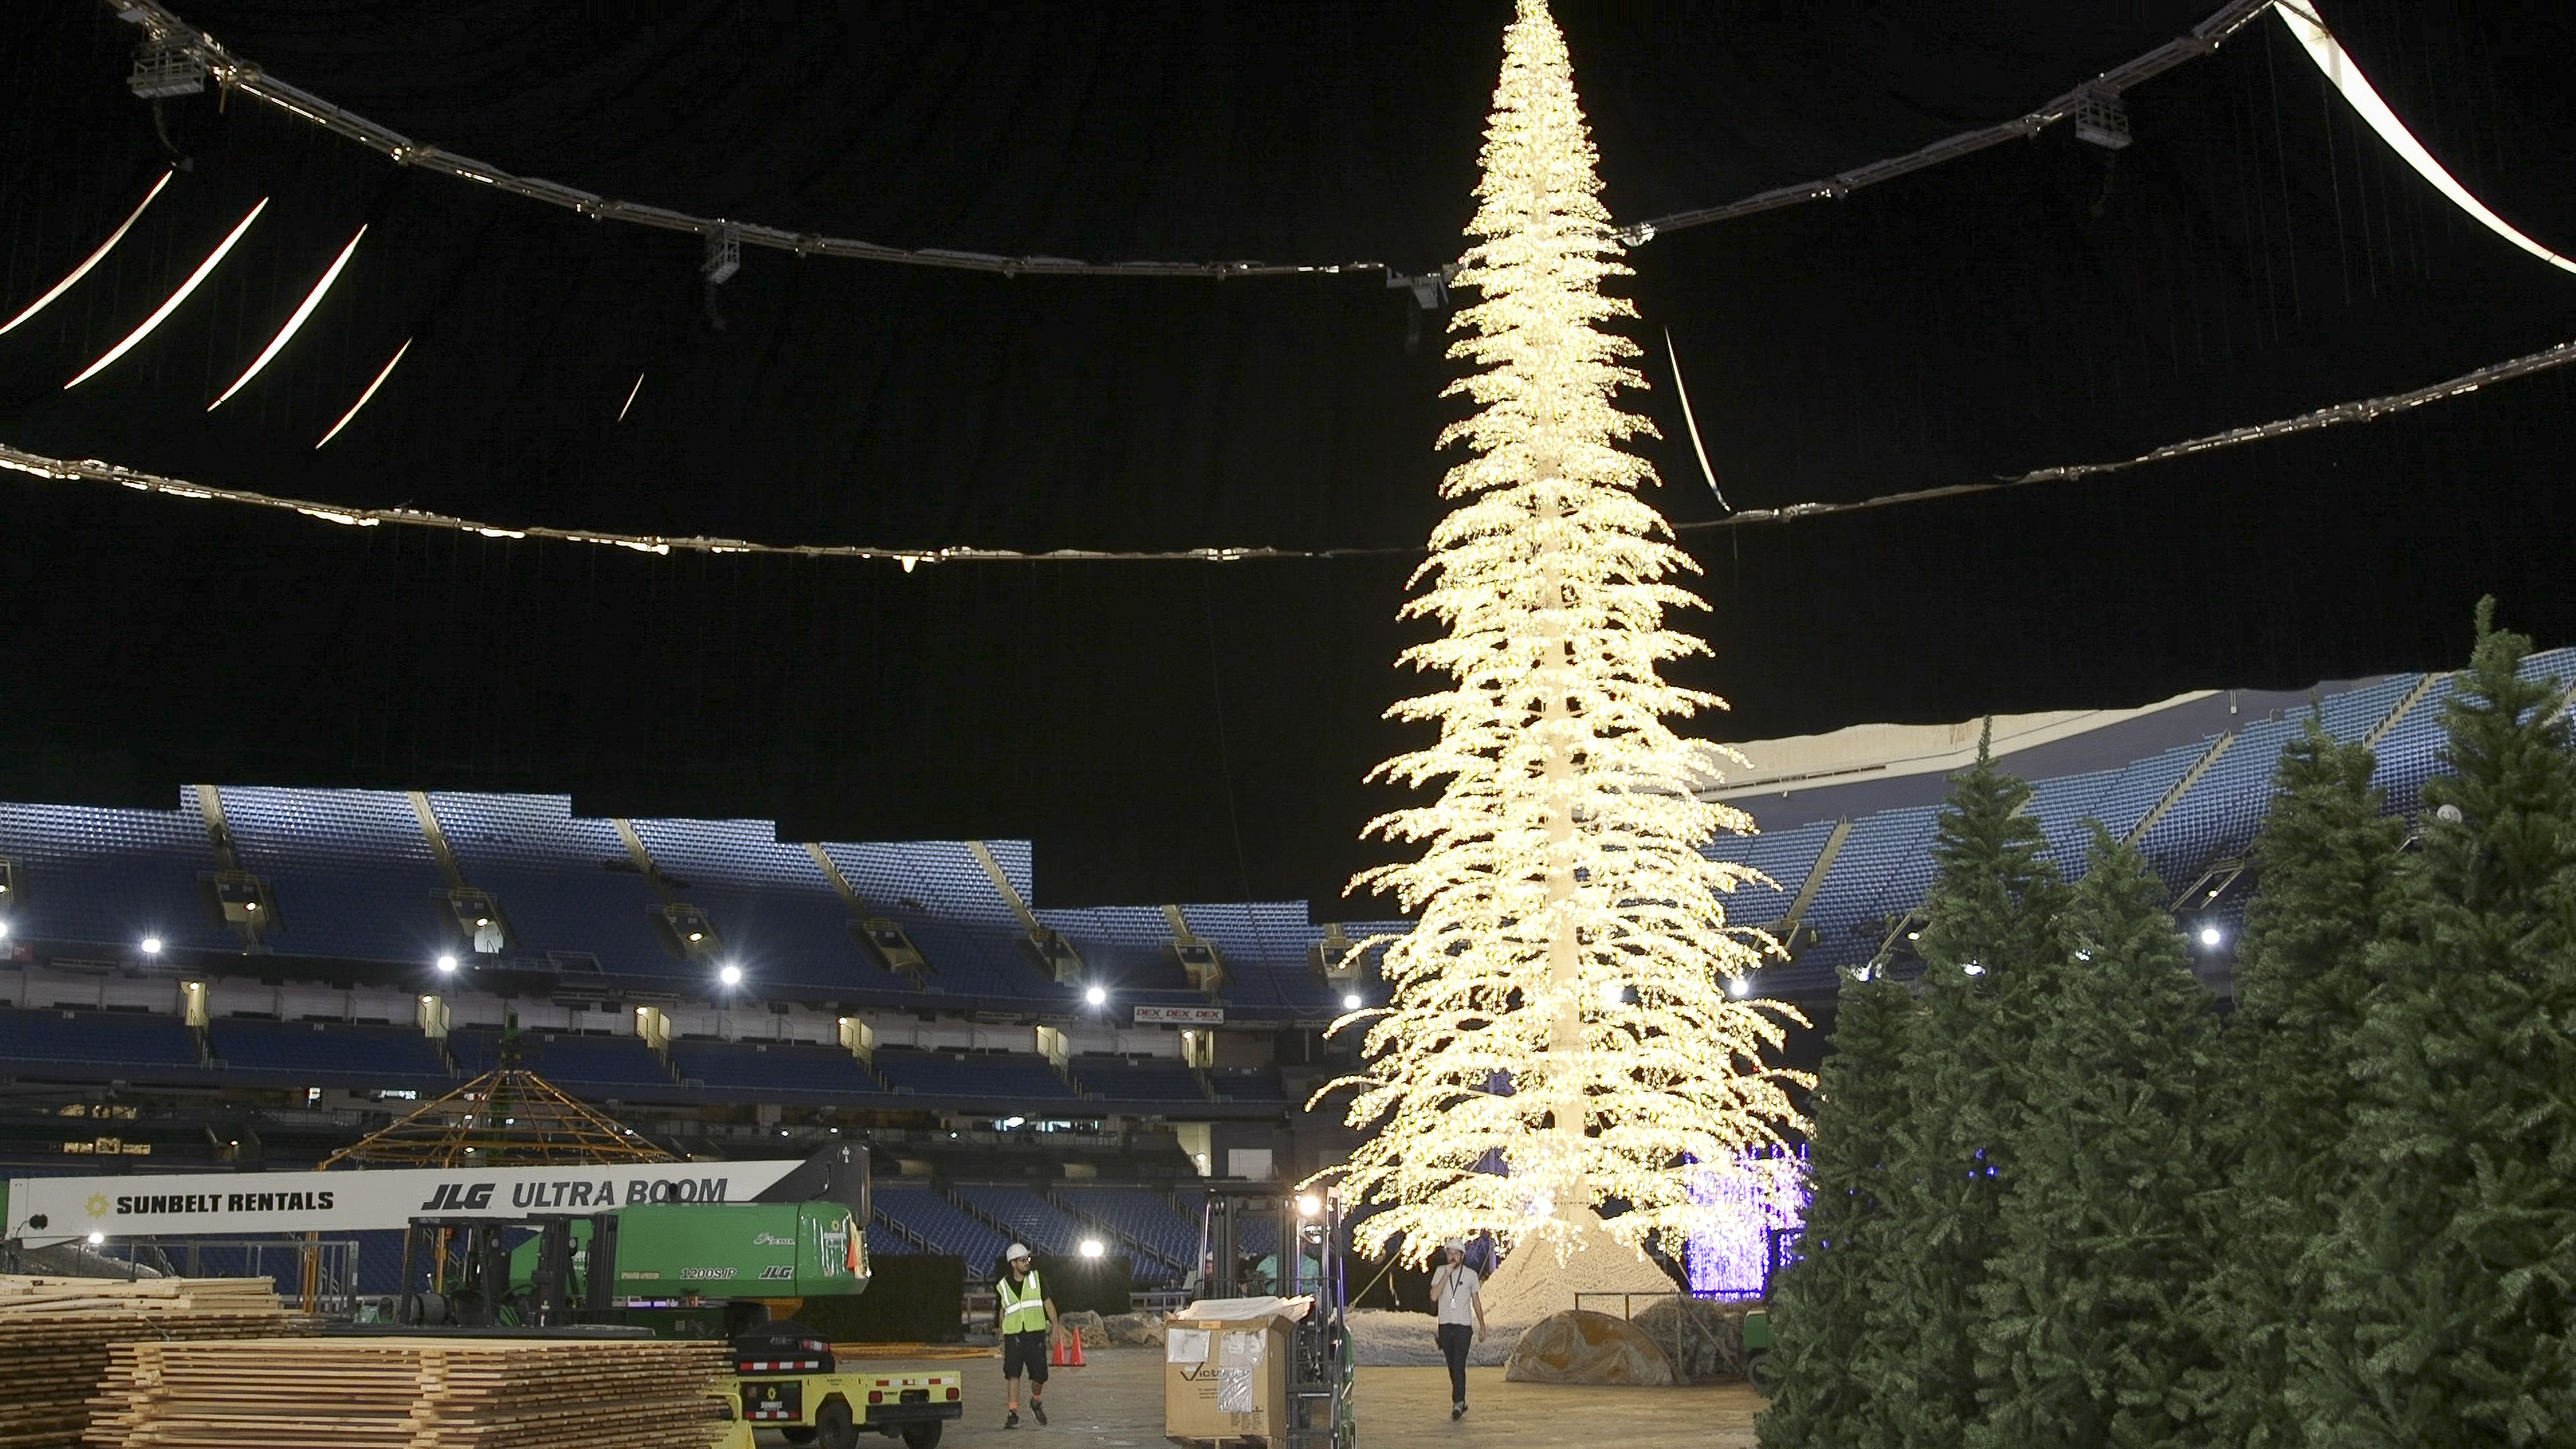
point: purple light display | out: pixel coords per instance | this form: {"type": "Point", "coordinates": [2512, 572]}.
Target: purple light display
{"type": "Point", "coordinates": [1754, 1195]}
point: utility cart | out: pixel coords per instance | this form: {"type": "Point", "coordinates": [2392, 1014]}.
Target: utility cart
{"type": "Point", "coordinates": [787, 1380]}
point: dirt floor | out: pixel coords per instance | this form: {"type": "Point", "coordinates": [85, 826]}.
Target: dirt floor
{"type": "Point", "coordinates": [1117, 1403]}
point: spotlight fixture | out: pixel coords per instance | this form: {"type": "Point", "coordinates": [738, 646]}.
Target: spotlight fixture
{"type": "Point", "coordinates": [1739, 986]}
{"type": "Point", "coordinates": [96, 1238]}
{"type": "Point", "coordinates": [731, 975]}
{"type": "Point", "coordinates": [1350, 1001]}
{"type": "Point", "coordinates": [2210, 936]}
{"type": "Point", "coordinates": [151, 945]}
{"type": "Point", "coordinates": [447, 965]}
{"type": "Point", "coordinates": [1309, 1206]}
{"type": "Point", "coordinates": [1093, 1248]}
{"type": "Point", "coordinates": [1096, 995]}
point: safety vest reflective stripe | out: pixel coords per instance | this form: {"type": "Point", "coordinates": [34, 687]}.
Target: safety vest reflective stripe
{"type": "Point", "coordinates": [1023, 1312]}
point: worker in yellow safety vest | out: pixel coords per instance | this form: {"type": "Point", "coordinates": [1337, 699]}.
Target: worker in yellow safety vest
{"type": "Point", "coordinates": [1026, 1317]}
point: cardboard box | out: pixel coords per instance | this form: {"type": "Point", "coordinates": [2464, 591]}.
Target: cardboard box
{"type": "Point", "coordinates": [1225, 1370]}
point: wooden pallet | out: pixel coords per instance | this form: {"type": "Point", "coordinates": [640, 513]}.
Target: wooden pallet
{"type": "Point", "coordinates": [56, 1336]}
{"type": "Point", "coordinates": [412, 1393]}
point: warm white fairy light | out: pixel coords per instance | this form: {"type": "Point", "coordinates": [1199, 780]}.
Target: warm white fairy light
{"type": "Point", "coordinates": [1562, 1008]}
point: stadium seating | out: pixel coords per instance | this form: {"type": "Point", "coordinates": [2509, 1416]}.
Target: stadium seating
{"type": "Point", "coordinates": [1140, 1079]}
{"type": "Point", "coordinates": [619, 1066]}
{"type": "Point", "coordinates": [328, 1053]}
{"type": "Point", "coordinates": [95, 1043]}
{"type": "Point", "coordinates": [350, 871]}
{"type": "Point", "coordinates": [1025, 1215]}
{"type": "Point", "coordinates": [779, 917]}
{"type": "Point", "coordinates": [978, 1076]}
{"type": "Point", "coordinates": [1139, 1216]}
{"type": "Point", "coordinates": [1247, 1084]}
{"type": "Point", "coordinates": [945, 1226]}
{"type": "Point", "coordinates": [352, 877]}
{"type": "Point", "coordinates": [113, 877]}
{"type": "Point", "coordinates": [565, 883]}
{"type": "Point", "coordinates": [774, 1068]}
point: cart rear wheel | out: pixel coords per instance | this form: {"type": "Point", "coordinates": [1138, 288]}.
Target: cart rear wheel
{"type": "Point", "coordinates": [832, 1427]}
{"type": "Point", "coordinates": [922, 1436]}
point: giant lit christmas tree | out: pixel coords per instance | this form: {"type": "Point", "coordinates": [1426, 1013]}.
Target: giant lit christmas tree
{"type": "Point", "coordinates": [1561, 1030]}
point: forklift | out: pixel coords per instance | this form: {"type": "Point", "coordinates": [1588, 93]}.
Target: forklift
{"type": "Point", "coordinates": [1312, 1262]}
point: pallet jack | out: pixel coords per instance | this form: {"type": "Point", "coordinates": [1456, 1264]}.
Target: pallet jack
{"type": "Point", "coordinates": [1313, 1261]}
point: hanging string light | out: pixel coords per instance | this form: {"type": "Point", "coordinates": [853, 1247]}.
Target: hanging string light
{"type": "Point", "coordinates": [162, 313]}
{"type": "Point", "coordinates": [92, 260]}
{"type": "Point", "coordinates": [1561, 1010]}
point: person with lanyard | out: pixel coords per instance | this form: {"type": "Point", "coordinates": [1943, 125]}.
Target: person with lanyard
{"type": "Point", "coordinates": [1457, 1296]}
{"type": "Point", "coordinates": [1027, 1320]}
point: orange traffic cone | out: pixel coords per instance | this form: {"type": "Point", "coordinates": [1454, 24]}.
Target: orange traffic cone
{"type": "Point", "coordinates": [1068, 1350]}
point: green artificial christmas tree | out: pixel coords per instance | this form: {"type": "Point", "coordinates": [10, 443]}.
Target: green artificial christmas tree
{"type": "Point", "coordinates": [1828, 1309]}
{"type": "Point", "coordinates": [2450, 1276]}
{"type": "Point", "coordinates": [2330, 861]}
{"type": "Point", "coordinates": [1992, 958]}
{"type": "Point", "coordinates": [2088, 1336]}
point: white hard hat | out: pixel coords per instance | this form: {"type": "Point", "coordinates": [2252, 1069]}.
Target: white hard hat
{"type": "Point", "coordinates": [1017, 1252]}
{"type": "Point", "coordinates": [1453, 1245]}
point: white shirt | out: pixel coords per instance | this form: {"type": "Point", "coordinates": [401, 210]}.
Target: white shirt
{"type": "Point", "coordinates": [1454, 1293]}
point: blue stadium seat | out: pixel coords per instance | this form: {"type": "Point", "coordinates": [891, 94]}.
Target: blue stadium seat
{"type": "Point", "coordinates": [1138, 1079]}
{"type": "Point", "coordinates": [945, 1226]}
{"type": "Point", "coordinates": [774, 1067]}
{"type": "Point", "coordinates": [1140, 1216]}
{"type": "Point", "coordinates": [328, 1053]}
{"type": "Point", "coordinates": [778, 914]}
{"type": "Point", "coordinates": [979, 1076]}
{"type": "Point", "coordinates": [607, 1066]}
{"type": "Point", "coordinates": [1026, 1216]}
{"type": "Point", "coordinates": [108, 1041]}
{"type": "Point", "coordinates": [1248, 1084]}
{"type": "Point", "coordinates": [566, 884]}
{"type": "Point", "coordinates": [113, 877]}
{"type": "Point", "coordinates": [350, 871]}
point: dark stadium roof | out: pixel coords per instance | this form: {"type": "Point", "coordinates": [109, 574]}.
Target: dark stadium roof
{"type": "Point", "coordinates": [1186, 731]}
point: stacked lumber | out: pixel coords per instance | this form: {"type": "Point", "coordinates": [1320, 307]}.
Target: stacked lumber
{"type": "Point", "coordinates": [55, 1335]}
{"type": "Point", "coordinates": [412, 1393]}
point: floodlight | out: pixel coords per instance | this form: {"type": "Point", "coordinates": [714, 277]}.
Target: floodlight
{"type": "Point", "coordinates": [1350, 1001]}
{"type": "Point", "coordinates": [1096, 995]}
{"type": "Point", "coordinates": [4, 930]}
{"type": "Point", "coordinates": [1739, 987]}
{"type": "Point", "coordinates": [1309, 1205]}
{"type": "Point", "coordinates": [731, 975]}
{"type": "Point", "coordinates": [2210, 936]}
{"type": "Point", "coordinates": [151, 945]}
{"type": "Point", "coordinates": [447, 963]}
{"type": "Point", "coordinates": [1093, 1248]}
{"type": "Point", "coordinates": [96, 1238]}
{"type": "Point", "coordinates": [1974, 969]}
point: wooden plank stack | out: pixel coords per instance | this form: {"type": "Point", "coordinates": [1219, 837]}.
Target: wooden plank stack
{"type": "Point", "coordinates": [55, 1335]}
{"type": "Point", "coordinates": [412, 1393]}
